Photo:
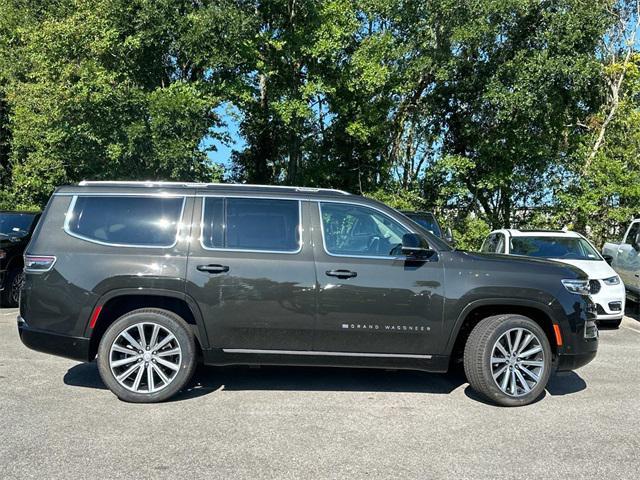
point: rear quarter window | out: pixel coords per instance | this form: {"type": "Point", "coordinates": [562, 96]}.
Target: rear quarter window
{"type": "Point", "coordinates": [125, 221]}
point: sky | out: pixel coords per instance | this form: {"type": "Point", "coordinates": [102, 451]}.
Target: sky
{"type": "Point", "coordinates": [222, 155]}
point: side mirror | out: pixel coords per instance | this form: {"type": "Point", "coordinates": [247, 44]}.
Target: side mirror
{"type": "Point", "coordinates": [413, 245]}
{"type": "Point", "coordinates": [608, 258]}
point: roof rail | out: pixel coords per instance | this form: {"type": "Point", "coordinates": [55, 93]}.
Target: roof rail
{"type": "Point", "coordinates": [153, 183]}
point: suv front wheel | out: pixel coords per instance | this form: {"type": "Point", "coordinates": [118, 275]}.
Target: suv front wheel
{"type": "Point", "coordinates": [147, 355]}
{"type": "Point", "coordinates": [507, 359]}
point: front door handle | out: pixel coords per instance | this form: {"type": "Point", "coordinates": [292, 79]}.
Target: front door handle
{"type": "Point", "coordinates": [213, 268]}
{"type": "Point", "coordinates": [341, 273]}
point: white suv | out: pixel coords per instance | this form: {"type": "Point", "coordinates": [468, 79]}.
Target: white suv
{"type": "Point", "coordinates": [607, 290]}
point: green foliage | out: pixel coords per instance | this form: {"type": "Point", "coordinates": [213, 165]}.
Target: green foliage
{"type": "Point", "coordinates": [399, 199]}
{"type": "Point", "coordinates": [100, 90]}
{"type": "Point", "coordinates": [473, 109]}
{"type": "Point", "coordinates": [470, 232]}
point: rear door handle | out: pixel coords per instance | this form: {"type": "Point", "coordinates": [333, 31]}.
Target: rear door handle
{"type": "Point", "coordinates": [341, 273]}
{"type": "Point", "coordinates": [213, 268]}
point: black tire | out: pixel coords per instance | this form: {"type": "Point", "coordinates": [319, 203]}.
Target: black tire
{"type": "Point", "coordinates": [478, 352]}
{"type": "Point", "coordinates": [165, 319]}
{"type": "Point", "coordinates": [610, 323]}
{"type": "Point", "coordinates": [11, 293]}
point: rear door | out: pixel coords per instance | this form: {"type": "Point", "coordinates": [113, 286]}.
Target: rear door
{"type": "Point", "coordinates": [251, 271]}
{"type": "Point", "coordinates": [372, 299]}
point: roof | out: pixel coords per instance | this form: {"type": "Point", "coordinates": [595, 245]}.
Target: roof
{"type": "Point", "coordinates": [538, 233]}
{"type": "Point", "coordinates": [211, 186]}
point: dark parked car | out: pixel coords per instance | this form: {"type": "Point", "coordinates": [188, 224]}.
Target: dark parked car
{"type": "Point", "coordinates": [150, 277]}
{"type": "Point", "coordinates": [15, 232]}
{"type": "Point", "coordinates": [428, 220]}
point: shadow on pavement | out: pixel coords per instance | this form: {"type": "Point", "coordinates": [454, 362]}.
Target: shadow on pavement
{"type": "Point", "coordinates": [473, 395]}
{"type": "Point", "coordinates": [210, 379]}
{"type": "Point", "coordinates": [565, 383]}
{"type": "Point", "coordinates": [84, 375]}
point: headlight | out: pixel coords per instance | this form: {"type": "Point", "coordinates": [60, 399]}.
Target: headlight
{"type": "Point", "coordinates": [615, 280]}
{"type": "Point", "coordinates": [579, 287]}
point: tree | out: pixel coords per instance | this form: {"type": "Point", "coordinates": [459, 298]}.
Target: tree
{"type": "Point", "coordinates": [598, 193]}
{"type": "Point", "coordinates": [105, 89]}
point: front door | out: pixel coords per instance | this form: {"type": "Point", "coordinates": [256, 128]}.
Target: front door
{"type": "Point", "coordinates": [251, 271]}
{"type": "Point", "coordinates": [627, 260]}
{"type": "Point", "coordinates": [371, 299]}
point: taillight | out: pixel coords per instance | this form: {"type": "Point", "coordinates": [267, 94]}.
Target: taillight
{"type": "Point", "coordinates": [38, 263]}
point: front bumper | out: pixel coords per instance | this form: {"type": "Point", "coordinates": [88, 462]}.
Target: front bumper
{"type": "Point", "coordinates": [573, 362]}
{"type": "Point", "coordinates": [581, 339]}
{"type": "Point", "coordinates": [610, 301]}
{"type": "Point", "coordinates": [76, 348]}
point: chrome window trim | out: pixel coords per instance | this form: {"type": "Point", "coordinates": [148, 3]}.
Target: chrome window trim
{"type": "Point", "coordinates": [245, 250]}
{"type": "Point", "coordinates": [69, 212]}
{"type": "Point", "coordinates": [324, 354]}
{"type": "Point", "coordinates": [371, 257]}
{"type": "Point", "coordinates": [125, 194]}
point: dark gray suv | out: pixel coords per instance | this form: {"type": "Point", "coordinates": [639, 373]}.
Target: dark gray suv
{"type": "Point", "coordinates": [152, 277]}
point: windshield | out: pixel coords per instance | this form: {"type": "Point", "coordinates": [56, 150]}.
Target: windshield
{"type": "Point", "coordinates": [570, 248]}
{"type": "Point", "coordinates": [427, 221]}
{"type": "Point", "coordinates": [15, 224]}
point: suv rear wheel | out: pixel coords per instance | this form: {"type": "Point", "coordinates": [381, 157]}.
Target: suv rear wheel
{"type": "Point", "coordinates": [507, 359]}
{"type": "Point", "coordinates": [147, 355]}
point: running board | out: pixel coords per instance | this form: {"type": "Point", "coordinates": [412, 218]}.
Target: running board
{"type": "Point", "coordinates": [325, 354]}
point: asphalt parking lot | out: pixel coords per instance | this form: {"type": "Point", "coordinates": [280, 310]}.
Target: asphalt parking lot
{"type": "Point", "coordinates": [57, 420]}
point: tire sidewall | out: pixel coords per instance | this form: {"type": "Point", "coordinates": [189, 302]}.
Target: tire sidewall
{"type": "Point", "coordinates": [171, 322]}
{"type": "Point", "coordinates": [494, 392]}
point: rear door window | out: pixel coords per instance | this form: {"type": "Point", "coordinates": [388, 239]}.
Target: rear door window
{"type": "Point", "coordinates": [126, 220]}
{"type": "Point", "coordinates": [258, 224]}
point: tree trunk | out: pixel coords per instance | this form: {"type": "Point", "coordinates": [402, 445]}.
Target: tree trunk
{"type": "Point", "coordinates": [260, 171]}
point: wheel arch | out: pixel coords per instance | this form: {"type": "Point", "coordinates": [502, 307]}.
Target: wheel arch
{"type": "Point", "coordinates": [116, 303]}
{"type": "Point", "coordinates": [473, 313]}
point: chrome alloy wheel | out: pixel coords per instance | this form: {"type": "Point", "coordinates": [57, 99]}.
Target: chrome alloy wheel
{"type": "Point", "coordinates": [517, 362]}
{"type": "Point", "coordinates": [145, 357]}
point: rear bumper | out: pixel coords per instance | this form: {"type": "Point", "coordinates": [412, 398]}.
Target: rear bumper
{"type": "Point", "coordinates": [76, 348]}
